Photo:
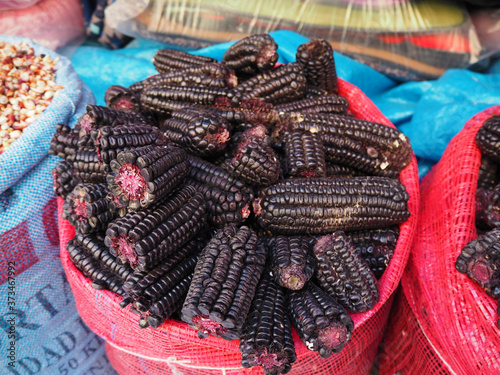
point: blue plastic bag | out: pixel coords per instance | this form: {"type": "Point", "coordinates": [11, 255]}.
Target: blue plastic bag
{"type": "Point", "coordinates": [41, 331]}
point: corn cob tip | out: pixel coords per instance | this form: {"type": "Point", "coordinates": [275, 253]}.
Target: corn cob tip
{"type": "Point", "coordinates": [267, 55]}
{"type": "Point", "coordinates": [131, 182]}
{"type": "Point", "coordinates": [332, 339]}
{"type": "Point", "coordinates": [293, 277]}
{"type": "Point", "coordinates": [124, 249]}
{"type": "Point", "coordinates": [85, 123]}
{"type": "Point", "coordinates": [207, 326]}
{"type": "Point", "coordinates": [270, 362]}
{"type": "Point", "coordinates": [256, 132]}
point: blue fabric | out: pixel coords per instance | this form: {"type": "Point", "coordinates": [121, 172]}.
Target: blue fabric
{"type": "Point", "coordinates": [429, 112]}
{"type": "Point", "coordinates": [49, 337]}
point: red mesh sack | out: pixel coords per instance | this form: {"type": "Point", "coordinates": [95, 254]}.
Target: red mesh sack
{"type": "Point", "coordinates": [443, 322]}
{"type": "Point", "coordinates": [175, 348]}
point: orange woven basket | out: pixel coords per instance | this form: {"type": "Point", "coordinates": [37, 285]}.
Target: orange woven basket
{"type": "Point", "coordinates": [443, 322]}
{"type": "Point", "coordinates": [174, 348]}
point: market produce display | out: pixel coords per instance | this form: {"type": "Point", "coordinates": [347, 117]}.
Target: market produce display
{"type": "Point", "coordinates": [27, 86]}
{"type": "Point", "coordinates": [184, 196]}
{"type": "Point", "coordinates": [480, 258]}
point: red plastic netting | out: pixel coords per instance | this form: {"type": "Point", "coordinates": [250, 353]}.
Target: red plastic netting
{"type": "Point", "coordinates": [175, 348]}
{"type": "Point", "coordinates": [448, 319]}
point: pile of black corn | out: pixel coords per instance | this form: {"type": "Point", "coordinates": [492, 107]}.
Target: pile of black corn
{"type": "Point", "coordinates": [480, 258]}
{"type": "Point", "coordinates": [236, 196]}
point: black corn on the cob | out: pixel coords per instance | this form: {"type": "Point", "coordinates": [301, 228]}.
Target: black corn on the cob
{"type": "Point", "coordinates": [482, 200]}
{"type": "Point", "coordinates": [207, 75]}
{"type": "Point", "coordinates": [170, 278]}
{"type": "Point", "coordinates": [110, 141]}
{"type": "Point", "coordinates": [101, 277]}
{"type": "Point", "coordinates": [376, 247]}
{"type": "Point", "coordinates": [322, 324]}
{"type": "Point", "coordinates": [170, 303]}
{"type": "Point", "coordinates": [322, 205]}
{"type": "Point", "coordinates": [316, 58]}
{"type": "Point", "coordinates": [200, 131]}
{"type": "Point", "coordinates": [94, 244]}
{"type": "Point", "coordinates": [343, 274]}
{"type": "Point", "coordinates": [334, 170]}
{"type": "Point", "coordinates": [267, 335]}
{"type": "Point", "coordinates": [138, 86]}
{"type": "Point", "coordinates": [87, 166]}
{"type": "Point", "coordinates": [492, 213]}
{"type": "Point", "coordinates": [313, 92]}
{"type": "Point", "coordinates": [480, 260]}
{"type": "Point", "coordinates": [64, 179]}
{"type": "Point", "coordinates": [488, 138]}
{"type": "Point", "coordinates": [167, 60]}
{"type": "Point", "coordinates": [121, 98]}
{"type": "Point", "coordinates": [370, 147]}
{"type": "Point", "coordinates": [87, 208]}
{"type": "Point", "coordinates": [139, 281]}
{"type": "Point", "coordinates": [319, 104]}
{"type": "Point", "coordinates": [254, 161]}
{"type": "Point", "coordinates": [143, 176]}
{"type": "Point", "coordinates": [254, 111]}
{"type": "Point", "coordinates": [291, 260]}
{"type": "Point", "coordinates": [489, 173]}
{"type": "Point", "coordinates": [227, 198]}
{"type": "Point", "coordinates": [252, 54]}
{"type": "Point", "coordinates": [305, 155]}
{"type": "Point", "coordinates": [98, 116]}
{"type": "Point", "coordinates": [165, 100]}
{"type": "Point", "coordinates": [64, 143]}
{"type": "Point", "coordinates": [146, 238]}
{"type": "Point", "coordinates": [224, 283]}
{"type": "Point", "coordinates": [281, 85]}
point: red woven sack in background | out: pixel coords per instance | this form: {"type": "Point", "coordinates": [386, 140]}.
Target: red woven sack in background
{"type": "Point", "coordinates": [174, 348]}
{"type": "Point", "coordinates": [443, 322]}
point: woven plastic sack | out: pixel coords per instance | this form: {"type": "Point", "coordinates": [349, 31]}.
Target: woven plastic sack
{"type": "Point", "coordinates": [41, 330]}
{"type": "Point", "coordinates": [448, 319]}
{"type": "Point", "coordinates": [174, 348]}
{"type": "Point", "coordinates": [402, 38]}
{"type": "Point", "coordinates": [51, 23]}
